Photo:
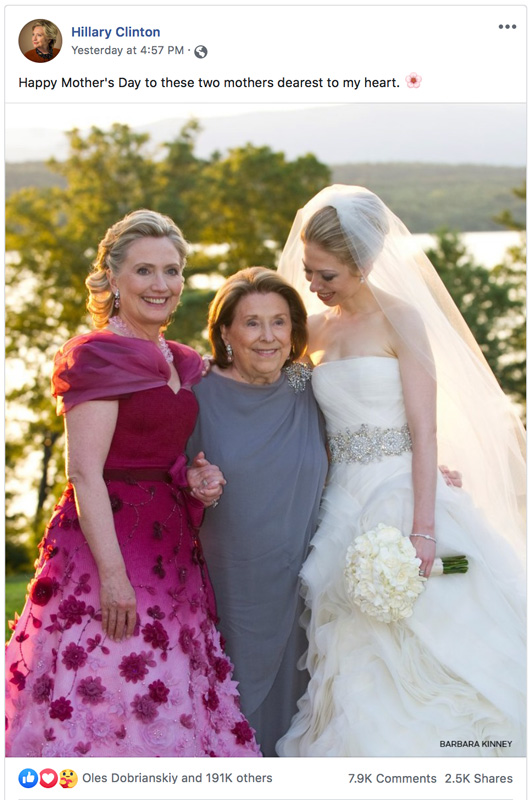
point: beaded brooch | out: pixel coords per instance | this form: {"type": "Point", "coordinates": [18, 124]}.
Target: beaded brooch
{"type": "Point", "coordinates": [298, 375]}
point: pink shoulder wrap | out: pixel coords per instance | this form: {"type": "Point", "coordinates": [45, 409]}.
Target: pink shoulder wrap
{"type": "Point", "coordinates": [104, 366]}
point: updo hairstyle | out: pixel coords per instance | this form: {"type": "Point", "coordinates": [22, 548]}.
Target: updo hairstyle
{"type": "Point", "coordinates": [354, 232]}
{"type": "Point", "coordinates": [50, 30]}
{"type": "Point", "coordinates": [254, 280]}
{"type": "Point", "coordinates": [112, 251]}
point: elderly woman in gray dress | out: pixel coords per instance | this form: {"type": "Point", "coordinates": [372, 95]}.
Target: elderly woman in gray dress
{"type": "Point", "coordinates": [259, 421]}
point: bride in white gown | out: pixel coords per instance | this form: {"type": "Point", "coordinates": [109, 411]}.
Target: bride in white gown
{"type": "Point", "coordinates": [402, 383]}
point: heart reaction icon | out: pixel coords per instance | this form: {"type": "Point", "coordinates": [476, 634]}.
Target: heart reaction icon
{"type": "Point", "coordinates": [49, 778]}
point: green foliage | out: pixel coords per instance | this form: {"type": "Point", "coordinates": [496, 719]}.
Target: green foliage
{"type": "Point", "coordinates": [182, 183]}
{"type": "Point", "coordinates": [464, 197]}
{"type": "Point", "coordinates": [18, 557]}
{"type": "Point", "coordinates": [492, 303]}
{"type": "Point", "coordinates": [513, 269]}
{"type": "Point", "coordinates": [15, 596]}
{"type": "Point", "coordinates": [509, 218]}
{"type": "Point", "coordinates": [239, 200]}
{"type": "Point", "coordinates": [237, 214]}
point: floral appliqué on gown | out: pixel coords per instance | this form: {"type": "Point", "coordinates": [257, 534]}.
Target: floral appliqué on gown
{"type": "Point", "coordinates": [168, 690]}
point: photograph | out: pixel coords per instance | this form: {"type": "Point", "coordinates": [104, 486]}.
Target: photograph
{"type": "Point", "coordinates": [265, 460]}
{"type": "Point", "coordinates": [40, 41]}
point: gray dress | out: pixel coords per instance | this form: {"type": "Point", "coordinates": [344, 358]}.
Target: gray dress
{"type": "Point", "coordinates": [269, 442]}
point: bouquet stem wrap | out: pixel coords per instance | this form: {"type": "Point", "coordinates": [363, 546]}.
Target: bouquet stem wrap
{"type": "Point", "coordinates": [449, 565]}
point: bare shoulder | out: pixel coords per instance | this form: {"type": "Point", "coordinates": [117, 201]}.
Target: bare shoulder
{"type": "Point", "coordinates": [316, 321]}
{"type": "Point", "coordinates": [400, 312]}
{"type": "Point", "coordinates": [316, 325]}
{"type": "Point", "coordinates": [407, 330]}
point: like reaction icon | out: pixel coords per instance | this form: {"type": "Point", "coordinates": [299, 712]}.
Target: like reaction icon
{"type": "Point", "coordinates": [49, 778]}
{"type": "Point", "coordinates": [28, 778]}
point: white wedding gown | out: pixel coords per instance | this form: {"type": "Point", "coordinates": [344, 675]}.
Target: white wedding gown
{"type": "Point", "coordinates": [453, 672]}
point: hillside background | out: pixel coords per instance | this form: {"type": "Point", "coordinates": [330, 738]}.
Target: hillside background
{"type": "Point", "coordinates": [462, 197]}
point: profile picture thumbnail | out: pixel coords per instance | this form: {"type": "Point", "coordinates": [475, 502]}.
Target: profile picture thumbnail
{"type": "Point", "coordinates": [40, 41]}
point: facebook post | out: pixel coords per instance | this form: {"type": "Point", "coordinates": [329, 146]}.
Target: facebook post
{"type": "Point", "coordinates": [265, 391]}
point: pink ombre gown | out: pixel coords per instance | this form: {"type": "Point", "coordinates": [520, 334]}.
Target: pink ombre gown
{"type": "Point", "coordinates": [168, 690]}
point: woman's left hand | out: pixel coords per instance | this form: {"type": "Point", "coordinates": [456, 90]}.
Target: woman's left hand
{"type": "Point", "coordinates": [426, 552]}
{"type": "Point", "coordinates": [451, 476]}
{"type": "Point", "coordinates": [205, 480]}
{"type": "Point", "coordinates": [207, 365]}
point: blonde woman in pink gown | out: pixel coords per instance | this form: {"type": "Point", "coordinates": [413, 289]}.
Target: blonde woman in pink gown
{"type": "Point", "coordinates": [116, 652]}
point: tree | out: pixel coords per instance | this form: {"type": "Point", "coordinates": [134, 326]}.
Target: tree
{"type": "Point", "coordinates": [253, 196]}
{"type": "Point", "coordinates": [52, 235]}
{"type": "Point", "coordinates": [492, 304]}
{"type": "Point", "coordinates": [181, 182]}
{"type": "Point", "coordinates": [507, 218]}
{"type": "Point", "coordinates": [513, 364]}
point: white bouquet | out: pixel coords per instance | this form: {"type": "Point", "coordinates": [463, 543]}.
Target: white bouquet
{"type": "Point", "coordinates": [382, 573]}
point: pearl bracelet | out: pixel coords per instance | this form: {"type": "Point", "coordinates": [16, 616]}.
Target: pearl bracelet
{"type": "Point", "coordinates": [423, 536]}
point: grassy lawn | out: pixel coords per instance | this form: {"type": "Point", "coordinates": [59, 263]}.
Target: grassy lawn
{"type": "Point", "coordinates": [15, 595]}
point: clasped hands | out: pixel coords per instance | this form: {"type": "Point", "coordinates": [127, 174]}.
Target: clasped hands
{"type": "Point", "coordinates": [205, 480]}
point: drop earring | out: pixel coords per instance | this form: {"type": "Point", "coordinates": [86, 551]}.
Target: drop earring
{"type": "Point", "coordinates": [117, 299]}
{"type": "Point", "coordinates": [229, 351]}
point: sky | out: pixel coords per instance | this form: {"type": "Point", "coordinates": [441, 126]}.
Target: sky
{"type": "Point", "coordinates": [475, 133]}
{"type": "Point", "coordinates": [80, 115]}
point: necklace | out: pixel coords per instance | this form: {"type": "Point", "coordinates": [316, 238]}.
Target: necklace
{"type": "Point", "coordinates": [119, 325]}
{"type": "Point", "coordinates": [46, 56]}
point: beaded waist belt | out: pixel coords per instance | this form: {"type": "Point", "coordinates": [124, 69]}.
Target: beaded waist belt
{"type": "Point", "coordinates": [368, 444]}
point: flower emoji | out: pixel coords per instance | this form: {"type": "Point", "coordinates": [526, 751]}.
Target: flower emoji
{"type": "Point", "coordinates": [413, 80]}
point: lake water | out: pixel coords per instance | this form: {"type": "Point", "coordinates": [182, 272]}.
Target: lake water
{"type": "Point", "coordinates": [487, 248]}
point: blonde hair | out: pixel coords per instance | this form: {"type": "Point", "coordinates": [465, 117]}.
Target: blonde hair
{"type": "Point", "coordinates": [365, 242]}
{"type": "Point", "coordinates": [112, 251]}
{"type": "Point", "coordinates": [50, 30]}
{"type": "Point", "coordinates": [254, 280]}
